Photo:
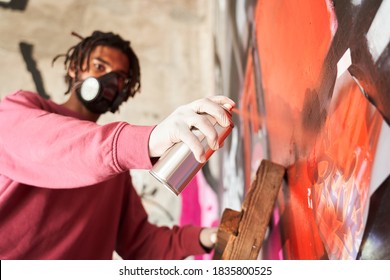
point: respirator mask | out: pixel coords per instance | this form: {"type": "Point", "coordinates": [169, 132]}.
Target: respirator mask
{"type": "Point", "coordinates": [101, 94]}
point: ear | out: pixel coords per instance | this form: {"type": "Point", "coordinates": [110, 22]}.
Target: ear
{"type": "Point", "coordinates": [72, 72]}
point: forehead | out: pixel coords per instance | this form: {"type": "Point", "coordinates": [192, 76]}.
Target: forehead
{"type": "Point", "coordinates": [113, 57]}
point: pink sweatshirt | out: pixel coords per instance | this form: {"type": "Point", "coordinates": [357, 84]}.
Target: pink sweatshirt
{"type": "Point", "coordinates": [66, 191]}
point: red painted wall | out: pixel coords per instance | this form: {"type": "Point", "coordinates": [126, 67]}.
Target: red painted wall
{"type": "Point", "coordinates": [321, 119]}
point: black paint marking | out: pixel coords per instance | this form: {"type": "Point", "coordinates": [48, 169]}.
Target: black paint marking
{"type": "Point", "coordinates": [27, 49]}
{"type": "Point", "coordinates": [19, 5]}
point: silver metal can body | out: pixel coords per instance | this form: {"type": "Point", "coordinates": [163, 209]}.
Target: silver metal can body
{"type": "Point", "coordinates": [177, 166]}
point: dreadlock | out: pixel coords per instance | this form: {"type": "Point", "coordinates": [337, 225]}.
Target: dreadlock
{"type": "Point", "coordinates": [78, 54]}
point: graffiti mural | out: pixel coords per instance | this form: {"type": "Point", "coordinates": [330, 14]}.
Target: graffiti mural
{"type": "Point", "coordinates": [314, 98]}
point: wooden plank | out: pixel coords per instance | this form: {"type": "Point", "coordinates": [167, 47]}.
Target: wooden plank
{"type": "Point", "coordinates": [228, 226]}
{"type": "Point", "coordinates": [245, 242]}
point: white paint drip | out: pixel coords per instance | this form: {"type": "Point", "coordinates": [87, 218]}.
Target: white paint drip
{"type": "Point", "coordinates": [378, 36]}
{"type": "Point", "coordinates": [344, 62]}
{"type": "Point", "coordinates": [356, 2]}
{"type": "Point", "coordinates": [333, 20]}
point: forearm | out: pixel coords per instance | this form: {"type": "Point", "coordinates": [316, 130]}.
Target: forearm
{"type": "Point", "coordinates": [50, 150]}
{"type": "Point", "coordinates": [167, 243]}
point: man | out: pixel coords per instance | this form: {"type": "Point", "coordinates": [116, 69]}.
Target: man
{"type": "Point", "coordinates": [65, 188]}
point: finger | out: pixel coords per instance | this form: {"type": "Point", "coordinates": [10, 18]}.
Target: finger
{"type": "Point", "coordinates": [203, 124]}
{"type": "Point", "coordinates": [223, 101]}
{"type": "Point", "coordinates": [214, 109]}
{"type": "Point", "coordinates": [193, 143]}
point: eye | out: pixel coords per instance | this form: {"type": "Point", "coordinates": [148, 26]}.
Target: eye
{"type": "Point", "coordinates": [99, 67]}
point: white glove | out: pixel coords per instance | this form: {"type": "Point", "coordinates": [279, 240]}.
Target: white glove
{"type": "Point", "coordinates": [177, 126]}
{"type": "Point", "coordinates": [208, 237]}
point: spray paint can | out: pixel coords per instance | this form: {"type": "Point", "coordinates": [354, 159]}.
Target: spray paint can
{"type": "Point", "coordinates": [177, 166]}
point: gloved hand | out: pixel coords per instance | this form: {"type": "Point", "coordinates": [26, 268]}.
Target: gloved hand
{"type": "Point", "coordinates": [177, 126]}
{"type": "Point", "coordinates": [208, 237]}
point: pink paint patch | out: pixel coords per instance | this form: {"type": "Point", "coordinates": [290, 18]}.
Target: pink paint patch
{"type": "Point", "coordinates": [199, 206]}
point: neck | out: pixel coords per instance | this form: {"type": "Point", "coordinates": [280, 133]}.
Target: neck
{"type": "Point", "coordinates": [74, 104]}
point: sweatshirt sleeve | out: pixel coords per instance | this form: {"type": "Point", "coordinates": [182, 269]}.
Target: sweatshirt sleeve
{"type": "Point", "coordinates": [46, 149]}
{"type": "Point", "coordinates": [139, 239]}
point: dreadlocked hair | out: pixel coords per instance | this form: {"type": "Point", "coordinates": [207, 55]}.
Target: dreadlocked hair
{"type": "Point", "coordinates": [81, 52]}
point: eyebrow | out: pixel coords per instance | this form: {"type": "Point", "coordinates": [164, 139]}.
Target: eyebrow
{"type": "Point", "coordinates": [124, 73]}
